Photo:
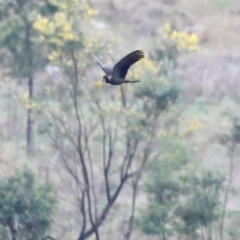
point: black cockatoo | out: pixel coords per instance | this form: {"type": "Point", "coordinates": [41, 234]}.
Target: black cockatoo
{"type": "Point", "coordinates": [116, 76]}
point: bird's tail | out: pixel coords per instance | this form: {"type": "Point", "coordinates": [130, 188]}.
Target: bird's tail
{"type": "Point", "coordinates": [133, 81]}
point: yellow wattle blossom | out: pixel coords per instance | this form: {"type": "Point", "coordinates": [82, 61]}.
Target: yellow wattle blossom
{"type": "Point", "coordinates": [192, 126]}
{"type": "Point", "coordinates": [54, 56]}
{"type": "Point", "coordinates": [163, 134]}
{"type": "Point", "coordinates": [129, 112]}
{"type": "Point", "coordinates": [144, 66]}
{"type": "Point", "coordinates": [64, 5]}
{"type": "Point", "coordinates": [48, 89]}
{"type": "Point", "coordinates": [99, 83]}
{"type": "Point", "coordinates": [193, 39]}
{"type": "Point", "coordinates": [112, 107]}
{"type": "Point", "coordinates": [24, 97]}
{"type": "Point", "coordinates": [166, 81]}
{"type": "Point", "coordinates": [138, 129]}
{"type": "Point", "coordinates": [59, 28]}
{"type": "Point", "coordinates": [182, 40]}
{"type": "Point", "coordinates": [25, 100]}
{"type": "Point", "coordinates": [173, 36]}
{"type": "Point", "coordinates": [142, 116]}
{"type": "Point", "coordinates": [88, 12]}
{"type": "Point", "coordinates": [91, 43]}
{"type": "Point", "coordinates": [44, 25]}
{"type": "Point", "coordinates": [167, 29]}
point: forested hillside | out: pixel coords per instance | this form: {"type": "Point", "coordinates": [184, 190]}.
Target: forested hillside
{"type": "Point", "coordinates": [81, 158]}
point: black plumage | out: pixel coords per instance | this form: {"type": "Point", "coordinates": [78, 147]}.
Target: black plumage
{"type": "Point", "coordinates": [119, 72]}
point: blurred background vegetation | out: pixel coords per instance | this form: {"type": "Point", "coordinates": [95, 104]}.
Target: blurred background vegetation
{"type": "Point", "coordinates": [81, 159]}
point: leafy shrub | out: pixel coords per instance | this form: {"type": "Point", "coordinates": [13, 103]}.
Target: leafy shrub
{"type": "Point", "coordinates": [26, 207]}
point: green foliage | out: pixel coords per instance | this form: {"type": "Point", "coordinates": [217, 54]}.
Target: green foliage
{"type": "Point", "coordinates": [176, 155]}
{"type": "Point", "coordinates": [163, 189]}
{"type": "Point", "coordinates": [21, 54]}
{"type": "Point", "coordinates": [26, 207]}
{"type": "Point", "coordinates": [171, 43]}
{"type": "Point", "coordinates": [234, 136]}
{"type": "Point", "coordinates": [162, 90]}
{"type": "Point", "coordinates": [179, 203]}
{"type": "Point", "coordinates": [158, 218]}
{"type": "Point", "coordinates": [48, 8]}
{"type": "Point", "coordinates": [222, 4]}
{"type": "Point", "coordinates": [236, 130]}
{"type": "Point", "coordinates": [233, 228]}
{"type": "Point", "coordinates": [203, 199]}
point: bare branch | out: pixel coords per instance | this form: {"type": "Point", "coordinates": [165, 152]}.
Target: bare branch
{"type": "Point", "coordinates": [86, 137]}
{"type": "Point", "coordinates": [226, 194]}
{"type": "Point", "coordinates": [79, 145]}
{"type": "Point", "coordinates": [135, 182]}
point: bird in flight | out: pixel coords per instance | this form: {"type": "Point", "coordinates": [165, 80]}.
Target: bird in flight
{"type": "Point", "coordinates": [116, 76]}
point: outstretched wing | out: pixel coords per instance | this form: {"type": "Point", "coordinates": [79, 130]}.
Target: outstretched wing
{"type": "Point", "coordinates": [104, 67]}
{"type": "Point", "coordinates": [121, 68]}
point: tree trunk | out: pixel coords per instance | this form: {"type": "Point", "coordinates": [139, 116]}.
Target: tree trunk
{"type": "Point", "coordinates": [13, 231]}
{"type": "Point", "coordinates": [30, 92]}
{"type": "Point", "coordinates": [29, 117]}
